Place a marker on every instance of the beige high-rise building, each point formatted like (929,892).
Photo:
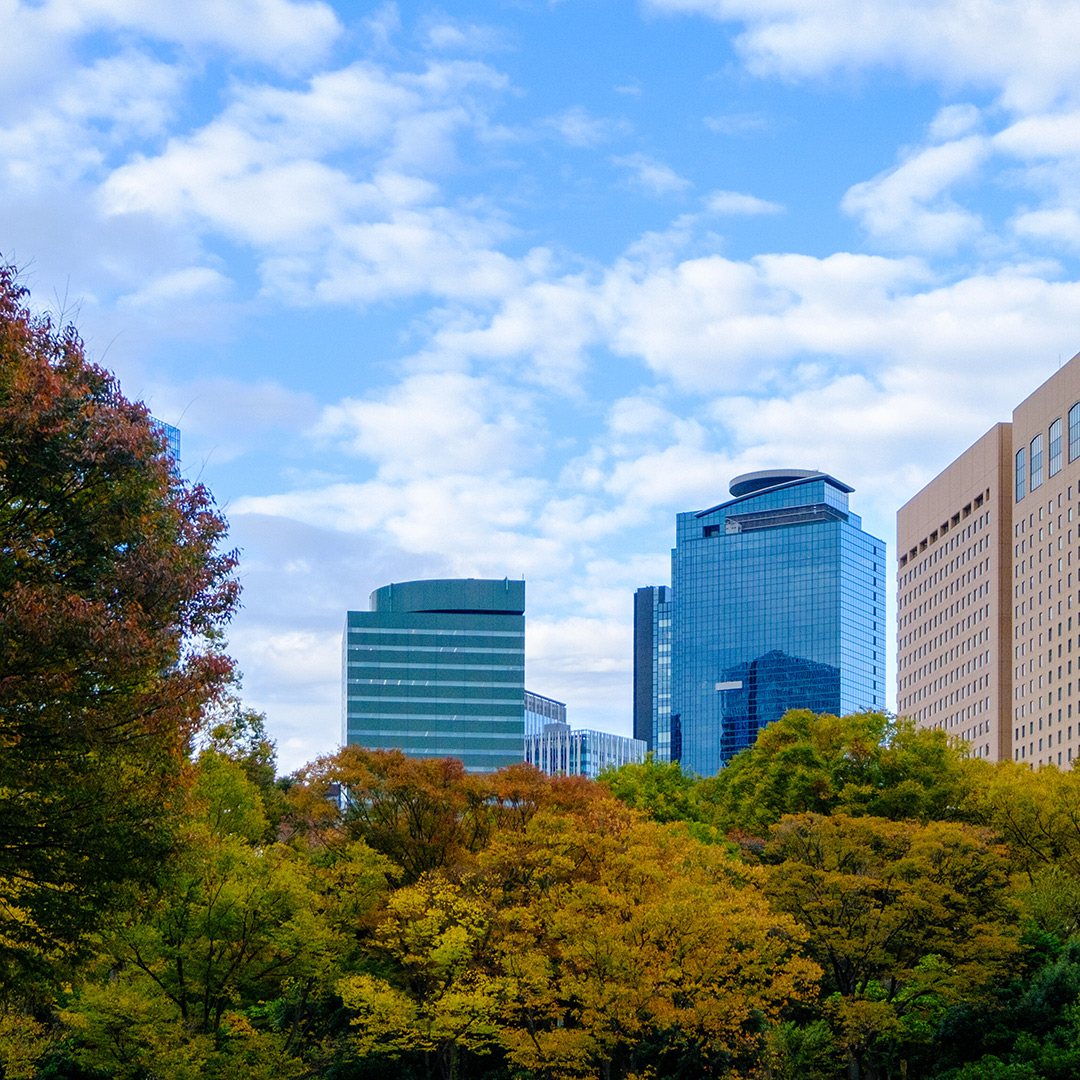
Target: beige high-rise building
(988,589)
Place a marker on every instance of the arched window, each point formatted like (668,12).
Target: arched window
(1036,462)
(1074,432)
(1021,473)
(1055,447)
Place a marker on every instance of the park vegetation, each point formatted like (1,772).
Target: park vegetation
(850,898)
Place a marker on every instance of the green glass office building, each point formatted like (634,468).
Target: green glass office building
(437,669)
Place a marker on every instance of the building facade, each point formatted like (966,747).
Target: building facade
(778,603)
(560,750)
(652,673)
(437,669)
(540,710)
(170,434)
(954,604)
(989,592)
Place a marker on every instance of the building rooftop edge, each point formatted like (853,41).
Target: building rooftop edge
(790,478)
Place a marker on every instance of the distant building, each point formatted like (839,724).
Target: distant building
(170,434)
(437,669)
(954,608)
(652,672)
(540,710)
(988,602)
(777,602)
(560,750)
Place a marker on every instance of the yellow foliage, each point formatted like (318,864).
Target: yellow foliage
(22,1043)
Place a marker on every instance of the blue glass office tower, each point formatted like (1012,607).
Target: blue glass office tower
(652,672)
(437,669)
(778,603)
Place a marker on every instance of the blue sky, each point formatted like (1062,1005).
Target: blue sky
(498,288)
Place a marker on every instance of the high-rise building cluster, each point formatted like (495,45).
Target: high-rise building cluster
(988,591)
(777,602)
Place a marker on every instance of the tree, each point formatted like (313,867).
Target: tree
(424,814)
(237,925)
(902,916)
(113,593)
(866,763)
(625,947)
(661,790)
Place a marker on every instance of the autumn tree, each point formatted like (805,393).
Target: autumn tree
(113,593)
(422,813)
(903,917)
(625,947)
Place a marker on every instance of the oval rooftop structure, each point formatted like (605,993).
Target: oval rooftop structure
(751,482)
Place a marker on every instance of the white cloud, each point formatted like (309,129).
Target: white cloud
(1024,50)
(908,206)
(451,36)
(651,175)
(734,202)
(738,123)
(177,286)
(36,38)
(1060,227)
(953,121)
(578,128)
(436,422)
(56,138)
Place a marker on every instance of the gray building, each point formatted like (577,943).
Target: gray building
(437,669)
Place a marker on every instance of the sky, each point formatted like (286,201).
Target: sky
(497,287)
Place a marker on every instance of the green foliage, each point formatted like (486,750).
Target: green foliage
(867,763)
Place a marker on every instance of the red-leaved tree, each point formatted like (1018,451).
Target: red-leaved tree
(113,594)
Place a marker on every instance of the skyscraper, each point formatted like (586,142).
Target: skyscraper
(652,671)
(954,612)
(989,590)
(778,602)
(437,669)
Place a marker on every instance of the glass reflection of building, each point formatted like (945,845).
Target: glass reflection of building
(778,603)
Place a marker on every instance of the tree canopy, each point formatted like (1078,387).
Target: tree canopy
(113,593)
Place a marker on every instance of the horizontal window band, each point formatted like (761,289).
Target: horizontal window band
(442,718)
(452,650)
(359,665)
(406,700)
(356,735)
(505,685)
(447,631)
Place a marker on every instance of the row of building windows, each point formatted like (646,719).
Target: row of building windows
(945,526)
(1029,459)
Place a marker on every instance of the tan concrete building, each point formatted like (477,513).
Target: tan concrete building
(989,589)
(954,613)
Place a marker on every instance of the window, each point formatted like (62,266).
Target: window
(1021,470)
(1074,432)
(1036,462)
(1055,447)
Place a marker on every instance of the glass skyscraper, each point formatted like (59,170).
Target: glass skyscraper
(437,669)
(652,672)
(778,603)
